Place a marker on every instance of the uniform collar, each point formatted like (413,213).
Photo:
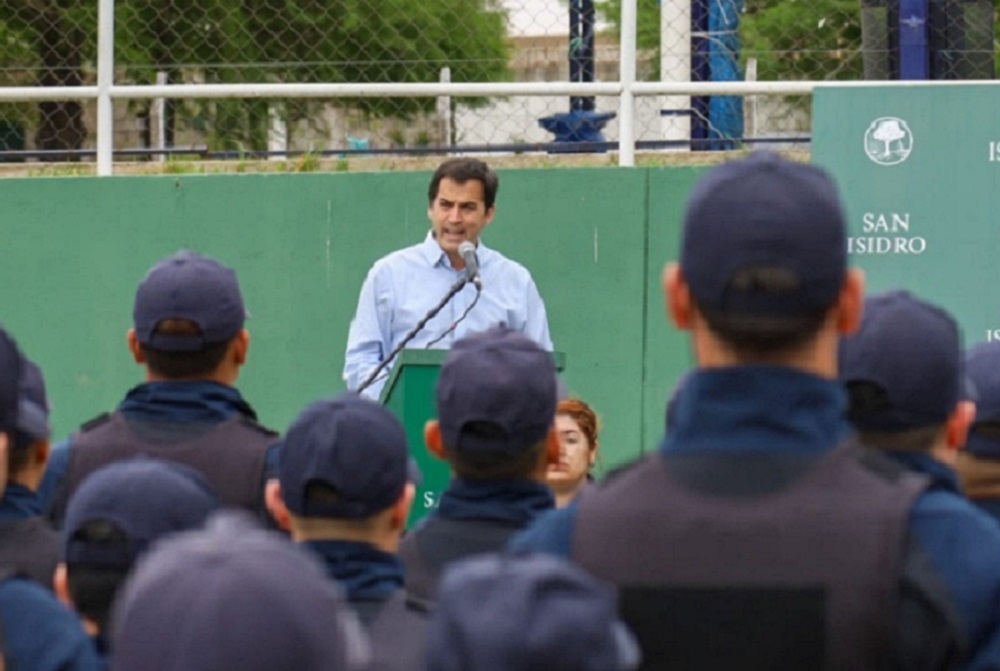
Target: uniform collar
(517,501)
(19,503)
(364,571)
(188,402)
(758,408)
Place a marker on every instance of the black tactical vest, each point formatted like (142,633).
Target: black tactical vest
(397,628)
(437,542)
(30,548)
(797,565)
(230,454)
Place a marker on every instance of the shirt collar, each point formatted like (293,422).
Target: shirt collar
(432,253)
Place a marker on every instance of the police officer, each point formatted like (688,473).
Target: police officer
(979,463)
(36,632)
(27,542)
(496,403)
(112,519)
(344,490)
(524,613)
(233,596)
(904,375)
(11,364)
(756,537)
(188,334)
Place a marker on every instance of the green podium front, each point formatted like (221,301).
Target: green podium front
(410,395)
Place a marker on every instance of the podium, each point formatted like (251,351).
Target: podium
(410,394)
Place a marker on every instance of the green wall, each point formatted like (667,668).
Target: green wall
(595,240)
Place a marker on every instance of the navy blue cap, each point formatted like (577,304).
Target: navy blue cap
(982,364)
(354,445)
(501,378)
(506,613)
(907,358)
(11,365)
(33,406)
(193,287)
(765,212)
(143,498)
(233,596)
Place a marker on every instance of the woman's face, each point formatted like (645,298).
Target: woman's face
(576,454)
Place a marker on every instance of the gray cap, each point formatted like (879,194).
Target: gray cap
(507,613)
(233,596)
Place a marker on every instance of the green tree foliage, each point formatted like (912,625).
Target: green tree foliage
(229,41)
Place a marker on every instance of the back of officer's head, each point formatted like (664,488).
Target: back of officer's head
(233,596)
(345,468)
(527,614)
(496,403)
(29,452)
(763,255)
(903,372)
(114,516)
(11,372)
(188,317)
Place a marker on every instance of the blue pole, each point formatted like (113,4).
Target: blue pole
(725,113)
(914,53)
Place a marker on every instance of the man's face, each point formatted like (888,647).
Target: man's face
(457,214)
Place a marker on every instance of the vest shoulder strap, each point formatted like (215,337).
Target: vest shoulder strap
(92,424)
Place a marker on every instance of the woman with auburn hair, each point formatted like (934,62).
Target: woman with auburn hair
(577,427)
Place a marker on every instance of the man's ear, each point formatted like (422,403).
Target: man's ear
(401,509)
(42,450)
(678,297)
(851,302)
(959,423)
(276,505)
(432,436)
(60,585)
(552,446)
(241,347)
(135,348)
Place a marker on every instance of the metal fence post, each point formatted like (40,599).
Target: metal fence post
(626,106)
(105,80)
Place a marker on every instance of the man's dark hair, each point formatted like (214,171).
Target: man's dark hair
(180,365)
(462,170)
(867,399)
(755,336)
(93,588)
(475,465)
(922,439)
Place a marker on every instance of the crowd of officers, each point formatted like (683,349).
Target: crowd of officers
(805,509)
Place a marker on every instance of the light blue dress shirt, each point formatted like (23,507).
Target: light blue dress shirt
(403,286)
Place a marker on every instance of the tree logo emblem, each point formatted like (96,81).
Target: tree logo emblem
(888,141)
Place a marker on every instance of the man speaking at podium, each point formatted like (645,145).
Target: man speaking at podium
(475,287)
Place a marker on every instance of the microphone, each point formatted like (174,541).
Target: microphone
(467,251)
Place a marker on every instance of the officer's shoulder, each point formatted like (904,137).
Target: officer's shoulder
(623,470)
(257,427)
(95,422)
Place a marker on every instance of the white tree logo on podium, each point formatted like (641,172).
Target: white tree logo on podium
(888,141)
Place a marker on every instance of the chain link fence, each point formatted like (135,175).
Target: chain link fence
(53,43)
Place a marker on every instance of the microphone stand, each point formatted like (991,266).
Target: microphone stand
(455,288)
